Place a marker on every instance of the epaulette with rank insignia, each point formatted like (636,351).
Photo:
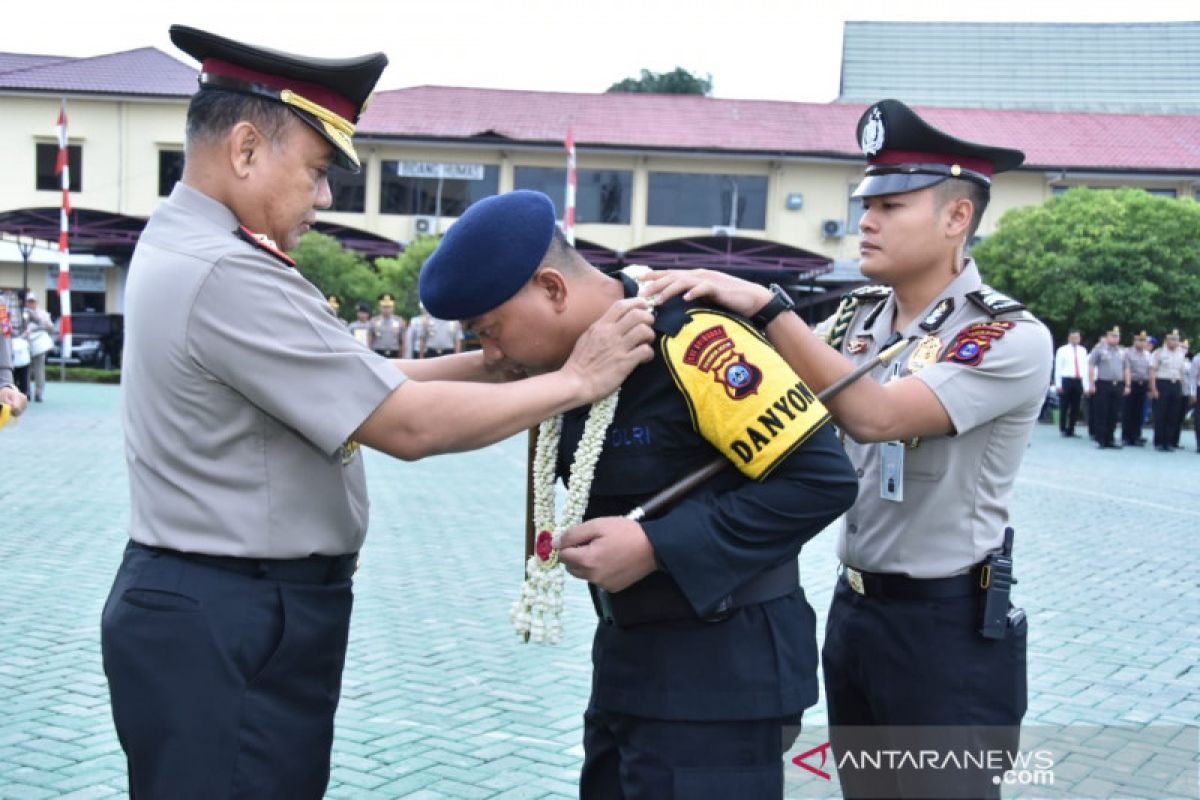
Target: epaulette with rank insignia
(264,243)
(993,302)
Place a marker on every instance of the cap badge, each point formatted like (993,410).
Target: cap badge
(872,134)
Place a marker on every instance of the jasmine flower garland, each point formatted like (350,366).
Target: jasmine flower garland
(538,612)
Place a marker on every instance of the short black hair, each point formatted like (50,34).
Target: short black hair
(953,188)
(561,253)
(212,113)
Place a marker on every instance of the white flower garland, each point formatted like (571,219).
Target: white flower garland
(537,614)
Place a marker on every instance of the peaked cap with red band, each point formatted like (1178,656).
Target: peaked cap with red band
(905,153)
(327,94)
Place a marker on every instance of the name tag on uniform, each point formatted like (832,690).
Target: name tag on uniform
(891,471)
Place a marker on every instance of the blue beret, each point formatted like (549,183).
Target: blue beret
(487,255)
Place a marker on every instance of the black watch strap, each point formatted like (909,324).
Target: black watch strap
(780,301)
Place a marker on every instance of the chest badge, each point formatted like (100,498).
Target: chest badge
(925,353)
(856,346)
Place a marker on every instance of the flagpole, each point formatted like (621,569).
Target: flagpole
(63,167)
(569,205)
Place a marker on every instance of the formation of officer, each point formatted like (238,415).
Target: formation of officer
(387,329)
(360,326)
(705,653)
(224,634)
(1106,366)
(920,631)
(430,337)
(1072,381)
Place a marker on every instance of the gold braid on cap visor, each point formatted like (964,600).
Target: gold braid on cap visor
(336,126)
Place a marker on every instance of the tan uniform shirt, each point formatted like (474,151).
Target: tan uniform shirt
(1138,362)
(1169,365)
(240,389)
(1109,362)
(6,376)
(956,488)
(387,332)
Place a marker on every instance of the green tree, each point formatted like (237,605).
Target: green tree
(400,274)
(678,81)
(1091,259)
(335,270)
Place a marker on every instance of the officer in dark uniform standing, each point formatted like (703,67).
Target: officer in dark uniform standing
(224,635)
(707,656)
(1137,383)
(1107,365)
(917,633)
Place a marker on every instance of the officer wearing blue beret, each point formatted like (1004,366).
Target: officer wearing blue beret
(917,632)
(705,654)
(224,635)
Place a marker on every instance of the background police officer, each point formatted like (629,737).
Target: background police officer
(1137,382)
(387,330)
(225,631)
(1107,372)
(1167,367)
(9,394)
(709,657)
(937,439)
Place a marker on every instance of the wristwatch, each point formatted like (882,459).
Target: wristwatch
(780,301)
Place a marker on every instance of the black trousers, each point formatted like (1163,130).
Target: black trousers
(631,758)
(1068,406)
(1131,418)
(915,674)
(1166,413)
(223,685)
(1106,405)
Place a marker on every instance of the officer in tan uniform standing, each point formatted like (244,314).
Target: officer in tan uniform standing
(225,632)
(10,395)
(1167,367)
(1137,382)
(387,330)
(936,438)
(1107,366)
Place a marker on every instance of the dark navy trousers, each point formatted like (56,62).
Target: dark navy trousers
(633,758)
(913,675)
(223,685)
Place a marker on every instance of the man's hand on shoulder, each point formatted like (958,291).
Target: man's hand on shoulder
(612,552)
(736,295)
(612,348)
(13,398)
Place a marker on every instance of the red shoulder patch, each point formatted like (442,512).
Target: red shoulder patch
(263,242)
(973,342)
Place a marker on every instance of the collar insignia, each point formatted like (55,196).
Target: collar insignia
(265,243)
(936,317)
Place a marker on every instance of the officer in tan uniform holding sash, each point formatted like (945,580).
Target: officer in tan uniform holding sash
(225,632)
(936,439)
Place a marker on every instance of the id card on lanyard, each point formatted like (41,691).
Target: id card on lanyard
(891,460)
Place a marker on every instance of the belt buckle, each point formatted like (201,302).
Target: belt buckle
(854,578)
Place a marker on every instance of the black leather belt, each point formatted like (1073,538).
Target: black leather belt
(901,587)
(313,569)
(657,598)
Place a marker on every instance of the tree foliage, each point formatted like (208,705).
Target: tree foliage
(678,81)
(336,270)
(400,274)
(1091,259)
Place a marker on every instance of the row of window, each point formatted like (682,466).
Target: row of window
(602,196)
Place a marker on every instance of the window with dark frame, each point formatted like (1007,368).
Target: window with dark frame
(702,201)
(601,195)
(170,170)
(349,189)
(401,194)
(47,159)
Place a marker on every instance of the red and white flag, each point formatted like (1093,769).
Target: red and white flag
(63,168)
(569,209)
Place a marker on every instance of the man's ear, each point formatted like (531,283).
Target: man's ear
(244,147)
(554,284)
(956,216)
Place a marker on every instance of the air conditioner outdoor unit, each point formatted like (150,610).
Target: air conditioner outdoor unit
(724,230)
(833,228)
(425,226)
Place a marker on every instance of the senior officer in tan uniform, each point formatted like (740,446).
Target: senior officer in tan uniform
(224,634)
(936,440)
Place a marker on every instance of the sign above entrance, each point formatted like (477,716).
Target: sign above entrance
(435,169)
